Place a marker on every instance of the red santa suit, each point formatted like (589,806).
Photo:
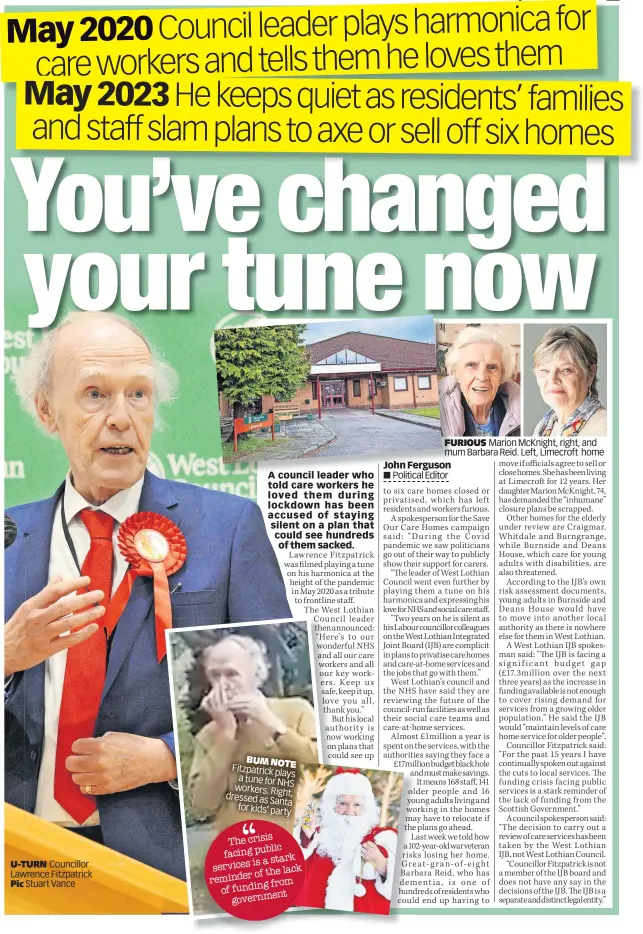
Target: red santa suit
(348,883)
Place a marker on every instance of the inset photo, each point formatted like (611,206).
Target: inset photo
(320,390)
(566,390)
(479,369)
(244,705)
(346,824)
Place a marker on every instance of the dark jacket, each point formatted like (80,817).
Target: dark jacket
(230,575)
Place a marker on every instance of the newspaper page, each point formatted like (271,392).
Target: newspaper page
(312,326)
(480,645)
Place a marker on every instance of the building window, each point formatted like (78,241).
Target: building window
(357,387)
(399,383)
(342,357)
(314,389)
(424,382)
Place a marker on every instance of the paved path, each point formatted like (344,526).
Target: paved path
(425,420)
(302,437)
(363,433)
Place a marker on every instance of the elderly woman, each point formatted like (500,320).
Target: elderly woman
(565,370)
(479,398)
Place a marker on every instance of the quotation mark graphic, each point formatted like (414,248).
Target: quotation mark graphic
(248,829)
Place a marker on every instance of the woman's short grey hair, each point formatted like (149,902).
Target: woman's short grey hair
(34,378)
(255,649)
(580,347)
(481,335)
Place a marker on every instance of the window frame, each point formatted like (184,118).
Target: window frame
(403,388)
(426,376)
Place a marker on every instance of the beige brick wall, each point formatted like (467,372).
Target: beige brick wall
(403,398)
(299,399)
(303,393)
(362,401)
(385,397)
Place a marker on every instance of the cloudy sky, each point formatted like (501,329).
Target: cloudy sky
(410,328)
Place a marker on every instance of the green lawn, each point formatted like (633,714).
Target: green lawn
(251,443)
(432,411)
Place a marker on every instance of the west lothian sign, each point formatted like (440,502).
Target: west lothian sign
(252,423)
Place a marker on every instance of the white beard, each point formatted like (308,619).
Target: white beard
(340,837)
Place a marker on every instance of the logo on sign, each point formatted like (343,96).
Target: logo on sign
(255,419)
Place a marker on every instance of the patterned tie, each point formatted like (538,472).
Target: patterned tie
(85,670)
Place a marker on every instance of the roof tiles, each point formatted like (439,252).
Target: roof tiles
(392,353)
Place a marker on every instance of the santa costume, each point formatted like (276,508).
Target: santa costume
(336,876)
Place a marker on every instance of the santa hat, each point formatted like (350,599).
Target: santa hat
(348,782)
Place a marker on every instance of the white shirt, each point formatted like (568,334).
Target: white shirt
(121,506)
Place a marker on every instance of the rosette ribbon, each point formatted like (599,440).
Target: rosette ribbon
(153,546)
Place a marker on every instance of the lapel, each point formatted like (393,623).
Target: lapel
(30,577)
(35,548)
(156,496)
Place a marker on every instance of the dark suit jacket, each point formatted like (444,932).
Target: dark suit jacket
(230,575)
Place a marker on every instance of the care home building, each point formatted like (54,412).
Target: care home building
(356,370)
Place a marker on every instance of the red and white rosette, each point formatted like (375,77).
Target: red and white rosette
(153,546)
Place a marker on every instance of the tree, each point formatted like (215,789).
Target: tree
(312,780)
(388,789)
(258,361)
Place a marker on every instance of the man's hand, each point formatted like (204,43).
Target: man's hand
(371,853)
(255,707)
(310,824)
(215,706)
(119,762)
(35,631)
